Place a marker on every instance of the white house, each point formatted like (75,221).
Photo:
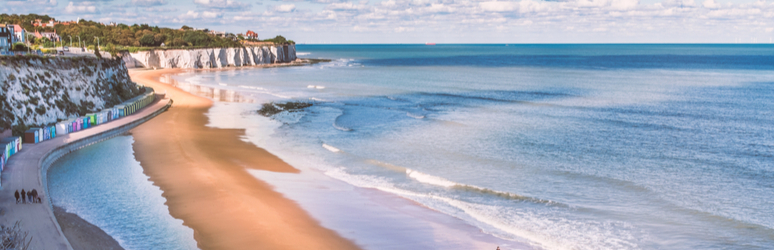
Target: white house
(21,34)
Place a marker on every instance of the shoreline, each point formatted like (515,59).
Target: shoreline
(203,174)
(453,231)
(83,235)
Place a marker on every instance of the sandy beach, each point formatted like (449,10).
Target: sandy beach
(203,174)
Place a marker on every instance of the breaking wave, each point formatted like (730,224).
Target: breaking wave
(345,129)
(331,148)
(482,213)
(409,114)
(442,182)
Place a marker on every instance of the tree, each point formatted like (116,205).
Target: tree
(277,40)
(19,47)
(197,38)
(185,27)
(111,48)
(147,40)
(178,42)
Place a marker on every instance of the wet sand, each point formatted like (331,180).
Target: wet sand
(203,174)
(83,235)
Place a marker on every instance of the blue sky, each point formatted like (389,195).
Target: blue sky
(440,21)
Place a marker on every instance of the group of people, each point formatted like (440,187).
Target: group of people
(28,196)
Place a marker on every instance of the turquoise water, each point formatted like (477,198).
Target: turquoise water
(561,146)
(106,186)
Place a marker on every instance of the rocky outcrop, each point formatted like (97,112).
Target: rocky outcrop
(37,91)
(210,58)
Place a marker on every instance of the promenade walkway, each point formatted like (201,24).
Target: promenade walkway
(27,170)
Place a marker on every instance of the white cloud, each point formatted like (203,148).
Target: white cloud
(596,20)
(710,4)
(190,15)
(679,3)
(29,2)
(403,29)
(81,8)
(285,8)
(496,6)
(147,3)
(345,6)
(210,14)
(225,5)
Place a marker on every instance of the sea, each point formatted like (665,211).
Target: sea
(546,146)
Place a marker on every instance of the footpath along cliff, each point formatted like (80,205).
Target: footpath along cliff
(211,57)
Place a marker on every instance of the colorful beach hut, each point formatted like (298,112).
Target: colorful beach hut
(53,131)
(121,110)
(61,128)
(12,145)
(46,133)
(31,135)
(86,123)
(92,119)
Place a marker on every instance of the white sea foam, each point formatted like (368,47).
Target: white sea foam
(345,129)
(482,213)
(409,114)
(440,181)
(317,99)
(429,179)
(303,53)
(251,87)
(319,87)
(331,148)
(310,86)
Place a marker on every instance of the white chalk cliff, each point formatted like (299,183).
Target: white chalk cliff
(211,58)
(38,91)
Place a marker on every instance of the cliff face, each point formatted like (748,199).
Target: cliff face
(38,91)
(210,58)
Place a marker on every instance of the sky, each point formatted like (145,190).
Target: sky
(439,21)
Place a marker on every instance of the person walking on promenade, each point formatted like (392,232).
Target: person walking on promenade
(24,196)
(29,196)
(17,196)
(34,196)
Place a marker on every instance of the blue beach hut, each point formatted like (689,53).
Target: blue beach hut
(10,145)
(85,124)
(46,134)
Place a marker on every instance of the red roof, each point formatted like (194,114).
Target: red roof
(251,34)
